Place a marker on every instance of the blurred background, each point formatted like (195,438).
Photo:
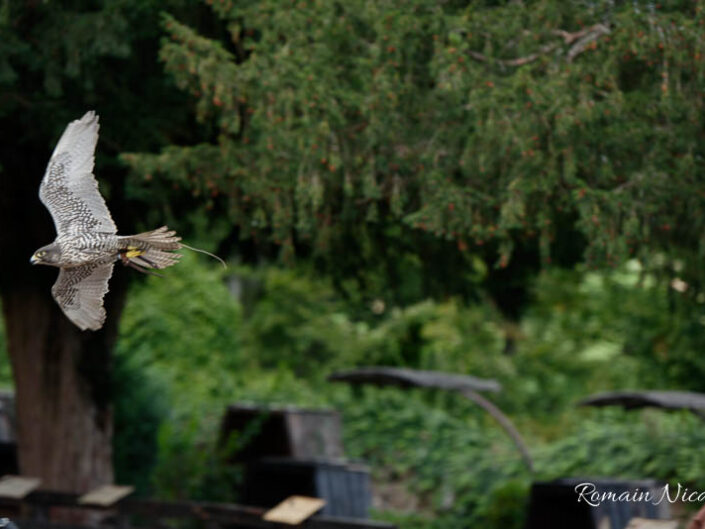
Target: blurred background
(507,189)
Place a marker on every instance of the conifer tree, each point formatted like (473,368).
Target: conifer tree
(489,123)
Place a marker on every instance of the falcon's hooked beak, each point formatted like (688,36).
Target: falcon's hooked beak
(34,259)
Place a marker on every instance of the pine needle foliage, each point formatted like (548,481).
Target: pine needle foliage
(478,122)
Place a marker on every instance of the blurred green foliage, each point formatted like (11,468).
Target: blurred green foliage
(409,150)
(481,123)
(201,338)
(196,340)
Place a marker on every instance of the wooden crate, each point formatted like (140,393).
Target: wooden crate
(344,486)
(282,432)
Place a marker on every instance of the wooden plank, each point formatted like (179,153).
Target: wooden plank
(17,487)
(294,510)
(106,495)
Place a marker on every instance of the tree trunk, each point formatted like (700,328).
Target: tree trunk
(62,387)
(62,375)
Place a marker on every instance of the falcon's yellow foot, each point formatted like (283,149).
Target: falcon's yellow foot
(133,251)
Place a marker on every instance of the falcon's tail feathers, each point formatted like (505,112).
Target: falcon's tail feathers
(162,239)
(151,249)
(155,249)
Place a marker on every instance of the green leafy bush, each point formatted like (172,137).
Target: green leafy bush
(446,461)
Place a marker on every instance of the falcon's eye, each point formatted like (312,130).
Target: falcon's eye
(41,254)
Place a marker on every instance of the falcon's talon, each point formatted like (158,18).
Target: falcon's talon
(146,271)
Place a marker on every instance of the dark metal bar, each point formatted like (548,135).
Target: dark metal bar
(406,377)
(219,513)
(504,422)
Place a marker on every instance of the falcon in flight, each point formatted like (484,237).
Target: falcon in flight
(87,244)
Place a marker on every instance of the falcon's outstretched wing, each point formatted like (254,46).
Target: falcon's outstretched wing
(79,292)
(69,190)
